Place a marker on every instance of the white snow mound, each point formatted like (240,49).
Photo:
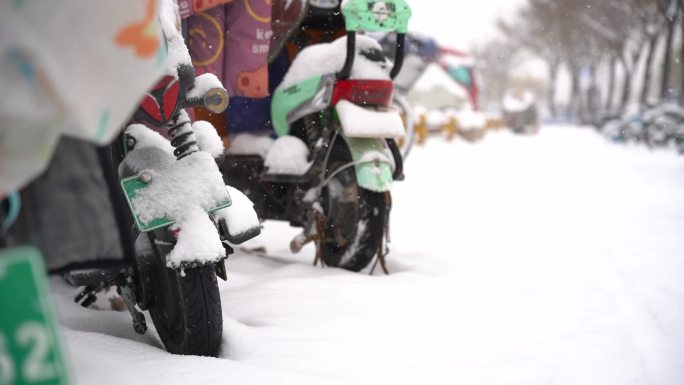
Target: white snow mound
(518,102)
(183,191)
(249,144)
(240,216)
(470,120)
(177,50)
(145,137)
(329,58)
(359,122)
(204,83)
(198,241)
(289,156)
(208,139)
(436,118)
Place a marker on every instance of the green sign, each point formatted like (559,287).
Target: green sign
(132,185)
(377,15)
(30,351)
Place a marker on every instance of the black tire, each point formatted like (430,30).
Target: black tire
(355,217)
(187,307)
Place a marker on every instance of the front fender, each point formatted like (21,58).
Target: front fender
(373,163)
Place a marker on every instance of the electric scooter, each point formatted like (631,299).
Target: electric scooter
(181,295)
(331,170)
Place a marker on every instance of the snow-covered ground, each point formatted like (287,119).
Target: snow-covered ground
(555,259)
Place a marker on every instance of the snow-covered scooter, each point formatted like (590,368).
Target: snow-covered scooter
(333,165)
(176,217)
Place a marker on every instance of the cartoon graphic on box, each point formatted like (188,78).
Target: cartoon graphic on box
(253,84)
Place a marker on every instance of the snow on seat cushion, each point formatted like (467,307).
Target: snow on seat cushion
(288,156)
(359,122)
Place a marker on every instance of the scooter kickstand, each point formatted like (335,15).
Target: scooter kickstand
(382,252)
(298,243)
(313,232)
(139,324)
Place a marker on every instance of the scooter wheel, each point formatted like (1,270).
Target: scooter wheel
(187,310)
(355,218)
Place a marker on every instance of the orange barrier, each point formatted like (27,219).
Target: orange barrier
(421,129)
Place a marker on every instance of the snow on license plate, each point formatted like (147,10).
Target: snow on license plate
(134,184)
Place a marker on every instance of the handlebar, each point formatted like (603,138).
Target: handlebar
(399,55)
(387,16)
(351,55)
(215,100)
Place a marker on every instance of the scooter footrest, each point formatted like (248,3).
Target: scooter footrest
(87,277)
(285,178)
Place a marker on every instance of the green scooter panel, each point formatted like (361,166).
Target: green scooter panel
(377,16)
(294,102)
(374,167)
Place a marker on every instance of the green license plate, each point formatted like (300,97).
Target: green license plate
(132,185)
(30,350)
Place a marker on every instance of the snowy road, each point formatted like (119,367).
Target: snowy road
(556,259)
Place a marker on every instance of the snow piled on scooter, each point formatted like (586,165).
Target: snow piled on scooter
(250,144)
(208,138)
(289,156)
(180,190)
(183,191)
(240,216)
(198,241)
(360,122)
(203,84)
(145,138)
(171,25)
(329,58)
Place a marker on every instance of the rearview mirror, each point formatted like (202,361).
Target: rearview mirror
(216,100)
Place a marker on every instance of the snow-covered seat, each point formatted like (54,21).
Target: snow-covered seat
(289,156)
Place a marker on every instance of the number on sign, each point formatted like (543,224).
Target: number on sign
(36,368)
(7,374)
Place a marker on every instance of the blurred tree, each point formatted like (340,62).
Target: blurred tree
(530,30)
(496,59)
(560,32)
(583,35)
(670,10)
(681,50)
(652,24)
(611,24)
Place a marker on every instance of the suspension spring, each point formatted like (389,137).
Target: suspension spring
(182,136)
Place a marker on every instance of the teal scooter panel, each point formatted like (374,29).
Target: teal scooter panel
(374,166)
(295,102)
(377,16)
